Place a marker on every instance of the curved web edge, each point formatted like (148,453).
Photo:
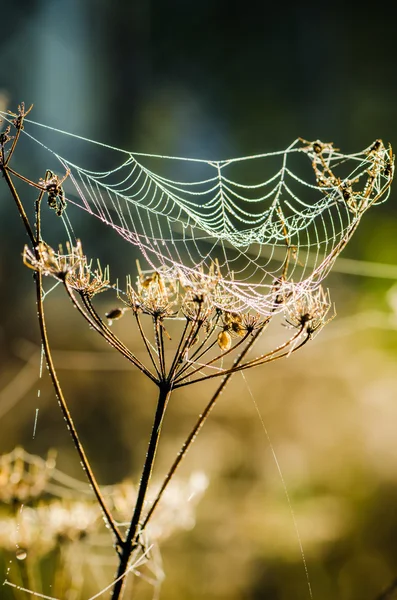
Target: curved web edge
(287,227)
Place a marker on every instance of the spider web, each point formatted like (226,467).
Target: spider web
(276,217)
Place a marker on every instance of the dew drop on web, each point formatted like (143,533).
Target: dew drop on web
(21,554)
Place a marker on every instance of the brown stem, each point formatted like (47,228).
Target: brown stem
(219,357)
(134,529)
(201,350)
(200,422)
(62,402)
(145,341)
(20,207)
(46,347)
(19,126)
(25,179)
(178,352)
(260,360)
(111,338)
(160,348)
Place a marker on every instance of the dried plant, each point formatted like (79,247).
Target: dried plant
(210,338)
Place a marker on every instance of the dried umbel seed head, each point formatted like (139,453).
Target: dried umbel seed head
(41,528)
(23,476)
(154,295)
(71,267)
(250,322)
(309,310)
(52,184)
(71,521)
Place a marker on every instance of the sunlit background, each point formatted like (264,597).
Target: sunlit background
(217,80)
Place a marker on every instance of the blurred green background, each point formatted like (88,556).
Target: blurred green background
(214,80)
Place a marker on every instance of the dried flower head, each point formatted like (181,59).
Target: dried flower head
(154,294)
(69,520)
(52,184)
(71,268)
(251,322)
(308,310)
(42,528)
(23,476)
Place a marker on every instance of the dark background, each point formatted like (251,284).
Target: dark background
(214,80)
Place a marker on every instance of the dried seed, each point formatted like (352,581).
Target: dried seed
(224,340)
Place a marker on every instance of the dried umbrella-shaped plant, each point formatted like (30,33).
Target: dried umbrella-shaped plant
(214,339)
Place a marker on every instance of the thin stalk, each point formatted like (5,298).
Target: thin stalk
(265,358)
(200,422)
(183,346)
(25,179)
(145,341)
(219,357)
(192,360)
(162,347)
(134,529)
(61,399)
(206,338)
(194,329)
(159,347)
(50,364)
(21,116)
(201,350)
(20,207)
(178,354)
(112,339)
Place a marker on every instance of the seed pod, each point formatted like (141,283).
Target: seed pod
(114,314)
(224,340)
(238,328)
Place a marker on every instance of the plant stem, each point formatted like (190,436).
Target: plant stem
(199,423)
(134,529)
(264,358)
(62,402)
(19,204)
(106,333)
(65,410)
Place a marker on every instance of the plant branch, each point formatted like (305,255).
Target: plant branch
(145,341)
(200,422)
(265,358)
(134,529)
(19,204)
(58,390)
(112,339)
(219,357)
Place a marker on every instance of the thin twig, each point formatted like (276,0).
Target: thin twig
(112,339)
(219,357)
(20,207)
(145,341)
(264,358)
(18,126)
